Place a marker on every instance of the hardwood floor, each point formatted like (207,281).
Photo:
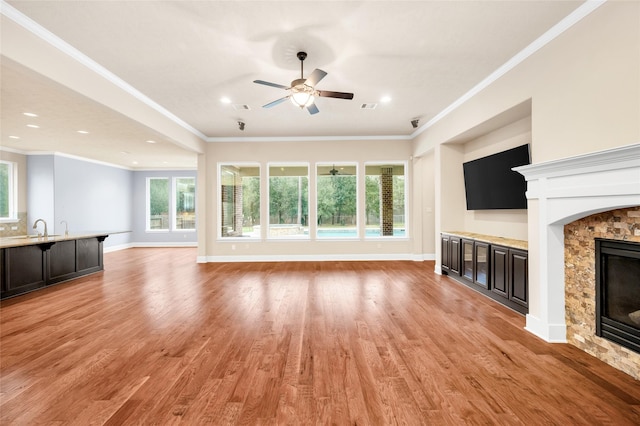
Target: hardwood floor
(159,339)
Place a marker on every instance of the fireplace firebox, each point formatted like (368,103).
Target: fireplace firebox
(618,292)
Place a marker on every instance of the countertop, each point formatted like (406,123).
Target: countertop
(507,242)
(20,241)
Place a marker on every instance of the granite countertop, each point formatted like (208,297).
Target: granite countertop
(30,240)
(507,242)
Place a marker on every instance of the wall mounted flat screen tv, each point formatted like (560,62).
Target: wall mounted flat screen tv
(490,184)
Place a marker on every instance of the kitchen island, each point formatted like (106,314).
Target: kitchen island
(31,262)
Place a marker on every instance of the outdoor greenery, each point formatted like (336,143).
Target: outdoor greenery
(4,190)
(288,200)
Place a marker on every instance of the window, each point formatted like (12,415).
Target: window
(8,191)
(385,189)
(337,201)
(185,203)
(240,200)
(158,204)
(288,201)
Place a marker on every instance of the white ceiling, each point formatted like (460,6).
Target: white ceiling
(187,55)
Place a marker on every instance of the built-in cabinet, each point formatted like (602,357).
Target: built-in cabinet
(31,267)
(496,270)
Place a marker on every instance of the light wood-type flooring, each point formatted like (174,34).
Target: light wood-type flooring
(159,339)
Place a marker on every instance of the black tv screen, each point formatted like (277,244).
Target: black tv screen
(490,184)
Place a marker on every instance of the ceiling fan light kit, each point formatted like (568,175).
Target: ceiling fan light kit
(303,91)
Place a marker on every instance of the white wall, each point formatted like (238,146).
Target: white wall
(584,92)
(213,249)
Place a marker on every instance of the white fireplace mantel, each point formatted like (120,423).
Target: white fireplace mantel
(560,192)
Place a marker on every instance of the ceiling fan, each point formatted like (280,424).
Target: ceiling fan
(303,91)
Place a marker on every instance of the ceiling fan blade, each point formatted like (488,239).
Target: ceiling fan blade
(266,83)
(313,109)
(339,95)
(315,77)
(276,102)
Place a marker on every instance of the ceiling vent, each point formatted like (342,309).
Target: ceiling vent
(239,107)
(368,106)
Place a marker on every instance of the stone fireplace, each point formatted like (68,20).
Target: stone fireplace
(595,195)
(580,283)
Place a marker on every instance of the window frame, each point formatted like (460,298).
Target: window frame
(174,204)
(304,236)
(219,214)
(12,192)
(148,204)
(405,165)
(338,164)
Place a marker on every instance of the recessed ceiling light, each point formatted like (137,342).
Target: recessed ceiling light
(14,137)
(33,126)
(30,114)
(385,99)
(225,100)
(134,162)
(124,152)
(150,141)
(84,132)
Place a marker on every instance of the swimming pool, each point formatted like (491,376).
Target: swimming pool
(353,232)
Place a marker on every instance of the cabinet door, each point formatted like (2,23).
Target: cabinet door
(467,259)
(444,241)
(481,264)
(518,277)
(500,270)
(25,269)
(454,255)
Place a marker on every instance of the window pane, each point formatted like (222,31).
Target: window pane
(185,203)
(240,200)
(288,201)
(158,203)
(385,200)
(337,201)
(5,190)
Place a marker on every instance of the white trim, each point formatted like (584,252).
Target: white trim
(574,17)
(55,41)
(307,138)
(308,258)
(163,244)
(567,190)
(117,248)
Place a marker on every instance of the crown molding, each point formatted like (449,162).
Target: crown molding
(571,19)
(55,41)
(546,38)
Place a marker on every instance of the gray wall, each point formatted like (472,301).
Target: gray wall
(140,235)
(93,197)
(96,197)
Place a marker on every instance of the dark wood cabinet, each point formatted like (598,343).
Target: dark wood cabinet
(509,274)
(497,271)
(30,267)
(445,245)
(450,246)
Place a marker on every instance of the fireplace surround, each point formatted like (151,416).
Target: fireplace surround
(559,193)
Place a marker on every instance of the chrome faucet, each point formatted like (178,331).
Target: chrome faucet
(66,227)
(35,226)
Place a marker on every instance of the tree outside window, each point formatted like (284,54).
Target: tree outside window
(288,201)
(158,203)
(337,201)
(240,200)
(385,190)
(6,190)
